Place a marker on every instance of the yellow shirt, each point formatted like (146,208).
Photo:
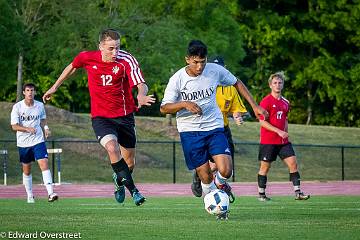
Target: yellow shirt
(229,101)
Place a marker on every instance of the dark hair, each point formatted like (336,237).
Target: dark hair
(109,33)
(28,85)
(197,48)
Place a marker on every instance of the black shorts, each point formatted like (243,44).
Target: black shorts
(122,127)
(269,152)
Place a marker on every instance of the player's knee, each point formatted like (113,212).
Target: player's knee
(43,164)
(26,169)
(131,165)
(293,167)
(264,169)
(112,147)
(27,172)
(226,173)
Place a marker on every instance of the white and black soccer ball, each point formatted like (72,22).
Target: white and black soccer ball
(216,202)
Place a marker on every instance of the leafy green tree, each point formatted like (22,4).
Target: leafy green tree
(10,38)
(34,15)
(306,39)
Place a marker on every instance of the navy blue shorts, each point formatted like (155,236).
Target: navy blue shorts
(30,154)
(199,146)
(269,152)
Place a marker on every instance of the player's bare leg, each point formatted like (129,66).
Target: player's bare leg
(224,165)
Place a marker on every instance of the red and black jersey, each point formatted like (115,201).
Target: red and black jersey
(278,110)
(110,83)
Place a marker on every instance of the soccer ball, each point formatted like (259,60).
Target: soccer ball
(216,202)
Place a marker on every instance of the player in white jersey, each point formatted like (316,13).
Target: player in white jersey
(191,94)
(28,119)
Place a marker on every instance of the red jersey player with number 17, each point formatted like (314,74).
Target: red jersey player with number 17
(274,138)
(112,73)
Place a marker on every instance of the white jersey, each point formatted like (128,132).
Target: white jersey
(202,91)
(28,117)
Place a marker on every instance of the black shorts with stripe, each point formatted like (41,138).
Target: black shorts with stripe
(269,152)
(122,127)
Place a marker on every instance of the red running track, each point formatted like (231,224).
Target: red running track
(149,189)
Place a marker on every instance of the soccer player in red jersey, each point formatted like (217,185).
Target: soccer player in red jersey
(112,73)
(274,139)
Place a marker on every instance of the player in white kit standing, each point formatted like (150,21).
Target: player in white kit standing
(28,119)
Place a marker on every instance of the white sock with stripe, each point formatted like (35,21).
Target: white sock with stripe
(206,188)
(219,180)
(47,178)
(27,181)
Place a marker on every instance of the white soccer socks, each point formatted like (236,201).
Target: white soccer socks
(219,179)
(206,188)
(47,178)
(27,181)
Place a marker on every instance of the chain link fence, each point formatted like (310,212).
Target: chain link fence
(163,162)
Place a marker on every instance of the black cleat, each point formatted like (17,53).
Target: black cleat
(263,198)
(196,185)
(301,196)
(223,216)
(53,197)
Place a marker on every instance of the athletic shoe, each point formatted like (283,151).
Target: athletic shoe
(138,198)
(196,185)
(31,199)
(227,188)
(263,198)
(53,197)
(301,196)
(119,192)
(223,216)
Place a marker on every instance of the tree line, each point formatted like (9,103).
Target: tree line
(316,43)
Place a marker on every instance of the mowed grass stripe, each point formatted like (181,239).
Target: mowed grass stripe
(323,217)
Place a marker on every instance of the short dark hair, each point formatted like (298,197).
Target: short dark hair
(28,85)
(197,48)
(109,33)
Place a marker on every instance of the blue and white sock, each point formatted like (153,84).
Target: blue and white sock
(206,188)
(219,180)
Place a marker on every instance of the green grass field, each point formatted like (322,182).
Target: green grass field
(321,217)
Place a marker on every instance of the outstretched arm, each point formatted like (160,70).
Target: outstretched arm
(142,98)
(242,89)
(67,72)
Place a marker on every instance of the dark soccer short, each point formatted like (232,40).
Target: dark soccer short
(122,127)
(269,152)
(30,154)
(199,146)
